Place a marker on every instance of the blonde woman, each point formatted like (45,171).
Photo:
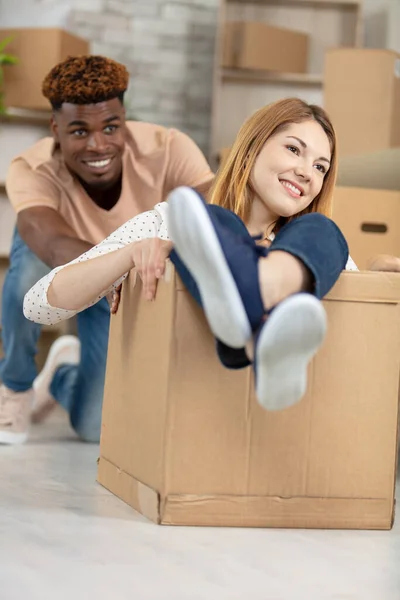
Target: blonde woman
(258,258)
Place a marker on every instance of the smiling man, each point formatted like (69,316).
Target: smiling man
(70,191)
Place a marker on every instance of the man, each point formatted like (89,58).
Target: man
(70,192)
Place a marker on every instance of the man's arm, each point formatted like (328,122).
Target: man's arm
(49,236)
(187,165)
(204,189)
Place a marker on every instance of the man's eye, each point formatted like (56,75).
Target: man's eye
(110,128)
(79,132)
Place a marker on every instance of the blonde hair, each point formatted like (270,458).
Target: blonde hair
(231,188)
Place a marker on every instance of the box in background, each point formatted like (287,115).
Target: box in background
(184,441)
(222,155)
(369,220)
(38,51)
(376,170)
(362,97)
(254,45)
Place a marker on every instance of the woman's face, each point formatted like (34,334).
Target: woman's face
(290,169)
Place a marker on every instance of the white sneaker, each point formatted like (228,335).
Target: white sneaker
(285,345)
(15,410)
(65,350)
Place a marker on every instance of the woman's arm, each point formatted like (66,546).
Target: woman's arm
(84,281)
(384,262)
(78,284)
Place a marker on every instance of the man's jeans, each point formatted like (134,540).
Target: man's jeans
(79,389)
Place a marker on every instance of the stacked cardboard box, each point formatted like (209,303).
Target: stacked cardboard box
(37,50)
(256,45)
(362,97)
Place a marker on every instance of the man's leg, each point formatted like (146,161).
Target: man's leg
(19,336)
(79,388)
(19,340)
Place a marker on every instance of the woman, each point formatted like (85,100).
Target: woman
(258,258)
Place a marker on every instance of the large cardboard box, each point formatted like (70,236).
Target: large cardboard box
(362,97)
(184,441)
(369,220)
(38,51)
(256,45)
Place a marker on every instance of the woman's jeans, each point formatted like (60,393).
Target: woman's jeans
(313,238)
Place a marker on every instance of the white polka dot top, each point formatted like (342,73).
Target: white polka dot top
(152,223)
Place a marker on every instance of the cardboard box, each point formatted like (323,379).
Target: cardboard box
(376,170)
(222,155)
(362,97)
(184,441)
(255,45)
(38,51)
(369,220)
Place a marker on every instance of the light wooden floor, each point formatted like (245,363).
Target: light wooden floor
(63,537)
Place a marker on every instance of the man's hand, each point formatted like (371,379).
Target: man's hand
(149,258)
(114,299)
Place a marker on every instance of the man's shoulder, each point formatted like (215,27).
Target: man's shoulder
(40,154)
(146,139)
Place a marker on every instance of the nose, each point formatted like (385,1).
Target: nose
(97,141)
(304,170)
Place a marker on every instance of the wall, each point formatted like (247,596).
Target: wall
(168,46)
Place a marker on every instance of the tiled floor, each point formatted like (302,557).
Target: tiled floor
(63,537)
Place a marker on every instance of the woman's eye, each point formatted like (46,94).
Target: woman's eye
(293,149)
(321,168)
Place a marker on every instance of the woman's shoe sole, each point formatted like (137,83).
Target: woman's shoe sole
(198,246)
(288,341)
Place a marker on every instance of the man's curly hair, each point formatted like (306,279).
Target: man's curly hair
(85,80)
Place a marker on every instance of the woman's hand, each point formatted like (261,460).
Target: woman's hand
(384,262)
(148,257)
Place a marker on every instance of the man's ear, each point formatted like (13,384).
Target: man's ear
(54,128)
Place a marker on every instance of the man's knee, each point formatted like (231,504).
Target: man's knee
(87,431)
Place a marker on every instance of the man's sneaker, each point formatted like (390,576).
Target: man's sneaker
(284,346)
(65,350)
(15,410)
(223,263)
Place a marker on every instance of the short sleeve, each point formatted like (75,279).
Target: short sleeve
(351,265)
(187,165)
(27,188)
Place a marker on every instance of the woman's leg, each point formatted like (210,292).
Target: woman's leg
(308,254)
(231,358)
(238,281)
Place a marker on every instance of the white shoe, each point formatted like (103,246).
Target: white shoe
(65,350)
(284,347)
(15,410)
(197,243)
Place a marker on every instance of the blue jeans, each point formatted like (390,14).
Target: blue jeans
(313,238)
(78,388)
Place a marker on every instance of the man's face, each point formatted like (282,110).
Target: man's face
(92,140)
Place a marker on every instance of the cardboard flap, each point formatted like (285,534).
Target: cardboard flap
(367,286)
(353,286)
